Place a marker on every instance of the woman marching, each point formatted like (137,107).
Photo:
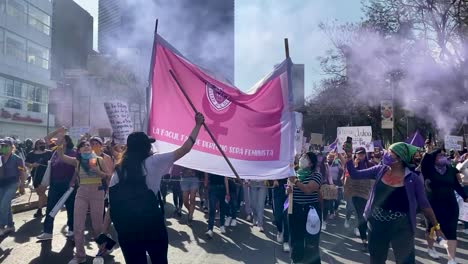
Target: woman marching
(442,183)
(37,160)
(136,212)
(393,201)
(304,222)
(89,174)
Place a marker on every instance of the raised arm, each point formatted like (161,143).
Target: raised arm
(67,159)
(182,151)
(459,188)
(370,173)
(55,133)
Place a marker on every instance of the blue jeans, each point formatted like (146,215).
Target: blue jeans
(246,193)
(216,193)
(7,193)
(257,201)
(232,207)
(281,216)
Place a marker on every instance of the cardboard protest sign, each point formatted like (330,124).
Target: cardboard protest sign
(119,117)
(316,139)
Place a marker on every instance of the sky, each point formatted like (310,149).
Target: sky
(262,25)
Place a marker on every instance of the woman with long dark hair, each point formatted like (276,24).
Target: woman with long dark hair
(136,212)
(305,235)
(442,183)
(37,160)
(392,205)
(360,190)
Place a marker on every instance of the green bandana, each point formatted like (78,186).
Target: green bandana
(404,151)
(303,173)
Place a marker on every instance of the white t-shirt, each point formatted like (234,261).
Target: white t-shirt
(156,166)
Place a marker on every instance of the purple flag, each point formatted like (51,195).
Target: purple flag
(333,146)
(416,139)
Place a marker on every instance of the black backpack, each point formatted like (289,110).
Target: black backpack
(135,210)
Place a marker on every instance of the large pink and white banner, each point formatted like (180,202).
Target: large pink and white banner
(255,129)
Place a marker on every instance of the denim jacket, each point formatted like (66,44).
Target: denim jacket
(413,183)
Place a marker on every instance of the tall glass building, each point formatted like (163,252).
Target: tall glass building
(25,76)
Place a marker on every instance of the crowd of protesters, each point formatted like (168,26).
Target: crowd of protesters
(127,185)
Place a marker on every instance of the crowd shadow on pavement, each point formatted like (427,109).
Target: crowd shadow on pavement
(48,256)
(4,253)
(237,244)
(28,231)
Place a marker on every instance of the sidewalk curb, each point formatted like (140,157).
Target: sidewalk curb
(23,207)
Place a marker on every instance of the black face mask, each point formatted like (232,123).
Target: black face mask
(41,148)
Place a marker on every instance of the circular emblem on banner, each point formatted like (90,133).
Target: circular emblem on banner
(217,97)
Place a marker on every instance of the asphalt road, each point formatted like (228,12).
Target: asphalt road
(241,244)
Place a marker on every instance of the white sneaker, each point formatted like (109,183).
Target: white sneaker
(209,233)
(44,236)
(223,230)
(286,247)
(69,234)
(432,252)
(356,232)
(346,223)
(324,225)
(98,260)
(452,261)
(260,228)
(279,237)
(76,260)
(233,222)
(249,218)
(227,222)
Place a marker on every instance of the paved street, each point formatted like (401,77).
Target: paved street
(241,244)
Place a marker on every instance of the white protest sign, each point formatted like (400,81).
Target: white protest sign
(463,212)
(298,141)
(362,137)
(60,203)
(76,132)
(119,117)
(453,142)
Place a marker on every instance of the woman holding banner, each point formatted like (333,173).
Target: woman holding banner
(304,222)
(392,205)
(136,212)
(442,183)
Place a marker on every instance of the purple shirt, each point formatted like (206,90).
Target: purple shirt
(413,184)
(60,171)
